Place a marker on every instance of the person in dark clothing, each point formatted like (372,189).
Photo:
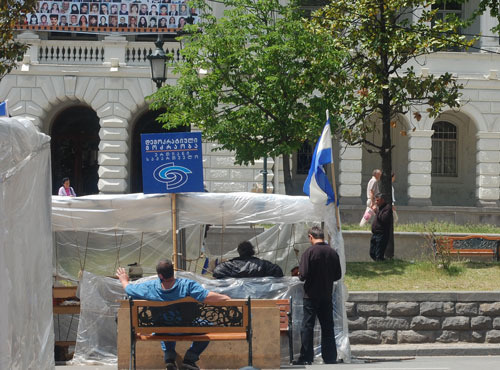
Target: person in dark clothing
(381,228)
(246,265)
(319,267)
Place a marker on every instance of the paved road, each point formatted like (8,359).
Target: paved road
(401,363)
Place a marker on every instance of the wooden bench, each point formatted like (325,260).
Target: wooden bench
(286,322)
(470,245)
(64,302)
(189,320)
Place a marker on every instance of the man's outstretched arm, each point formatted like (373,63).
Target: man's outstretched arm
(213,297)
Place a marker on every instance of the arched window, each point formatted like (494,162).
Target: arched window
(444,149)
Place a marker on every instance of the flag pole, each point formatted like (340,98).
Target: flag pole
(334,184)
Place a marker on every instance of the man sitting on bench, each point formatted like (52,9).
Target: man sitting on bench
(246,265)
(168,288)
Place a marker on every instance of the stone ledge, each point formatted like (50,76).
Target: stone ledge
(359,296)
(434,349)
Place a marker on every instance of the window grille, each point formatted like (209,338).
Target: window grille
(446,8)
(444,150)
(304,157)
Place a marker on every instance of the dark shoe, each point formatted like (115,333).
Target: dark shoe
(189,365)
(170,365)
(301,362)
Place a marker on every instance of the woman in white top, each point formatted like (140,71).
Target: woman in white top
(65,190)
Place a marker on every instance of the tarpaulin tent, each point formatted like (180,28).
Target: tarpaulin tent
(119,229)
(27,334)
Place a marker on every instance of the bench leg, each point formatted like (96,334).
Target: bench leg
(132,364)
(290,330)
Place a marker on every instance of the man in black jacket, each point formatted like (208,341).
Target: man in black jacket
(381,228)
(246,265)
(319,268)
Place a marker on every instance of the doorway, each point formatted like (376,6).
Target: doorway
(74,150)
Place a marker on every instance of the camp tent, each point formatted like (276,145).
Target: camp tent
(120,229)
(26,337)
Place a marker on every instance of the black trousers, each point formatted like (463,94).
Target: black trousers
(323,309)
(378,244)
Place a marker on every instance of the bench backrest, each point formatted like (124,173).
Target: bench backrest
(469,242)
(189,316)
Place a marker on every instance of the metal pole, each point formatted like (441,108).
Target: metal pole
(264,176)
(174,230)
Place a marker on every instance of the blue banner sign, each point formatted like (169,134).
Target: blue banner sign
(172,163)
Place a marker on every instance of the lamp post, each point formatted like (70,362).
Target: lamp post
(158,60)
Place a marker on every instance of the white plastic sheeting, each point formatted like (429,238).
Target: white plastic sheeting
(27,333)
(118,215)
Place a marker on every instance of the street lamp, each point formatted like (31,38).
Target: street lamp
(158,60)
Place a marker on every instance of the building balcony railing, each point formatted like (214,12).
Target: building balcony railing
(116,51)
(61,52)
(113,49)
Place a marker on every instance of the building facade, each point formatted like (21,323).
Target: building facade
(90,96)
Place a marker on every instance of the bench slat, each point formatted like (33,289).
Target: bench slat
(193,330)
(199,337)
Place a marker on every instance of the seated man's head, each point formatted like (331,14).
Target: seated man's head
(165,269)
(245,249)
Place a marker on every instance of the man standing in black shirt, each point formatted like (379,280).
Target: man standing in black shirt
(381,228)
(319,268)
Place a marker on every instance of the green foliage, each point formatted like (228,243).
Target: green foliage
(383,38)
(12,13)
(259,94)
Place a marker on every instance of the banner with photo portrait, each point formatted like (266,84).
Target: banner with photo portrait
(111,16)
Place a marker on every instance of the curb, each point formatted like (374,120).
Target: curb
(428,349)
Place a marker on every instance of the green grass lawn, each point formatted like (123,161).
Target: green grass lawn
(397,275)
(434,226)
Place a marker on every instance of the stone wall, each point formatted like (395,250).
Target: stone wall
(417,317)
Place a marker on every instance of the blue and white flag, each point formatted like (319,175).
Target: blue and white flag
(317,185)
(3,109)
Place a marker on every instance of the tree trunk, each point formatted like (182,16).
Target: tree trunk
(287,174)
(386,154)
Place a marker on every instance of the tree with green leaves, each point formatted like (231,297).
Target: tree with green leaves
(12,12)
(257,95)
(382,39)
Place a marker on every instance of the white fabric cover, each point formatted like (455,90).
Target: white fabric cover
(83,223)
(26,322)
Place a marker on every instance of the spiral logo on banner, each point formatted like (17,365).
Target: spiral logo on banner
(173,176)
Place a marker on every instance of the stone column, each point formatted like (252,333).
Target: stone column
(419,167)
(114,50)
(489,39)
(33,39)
(112,158)
(488,169)
(350,174)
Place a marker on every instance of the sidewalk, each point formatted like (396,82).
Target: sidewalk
(369,353)
(427,349)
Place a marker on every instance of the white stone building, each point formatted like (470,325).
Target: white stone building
(89,96)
